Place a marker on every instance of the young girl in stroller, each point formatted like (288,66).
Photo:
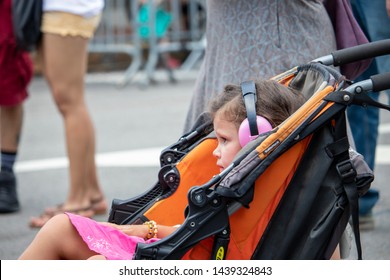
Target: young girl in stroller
(69,236)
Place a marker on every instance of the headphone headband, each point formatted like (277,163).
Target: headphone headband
(248,89)
(253,125)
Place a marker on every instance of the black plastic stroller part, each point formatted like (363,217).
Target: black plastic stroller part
(123,211)
(172,154)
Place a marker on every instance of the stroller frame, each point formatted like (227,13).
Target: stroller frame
(210,205)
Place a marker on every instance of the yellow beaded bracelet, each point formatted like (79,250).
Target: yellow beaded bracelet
(152,229)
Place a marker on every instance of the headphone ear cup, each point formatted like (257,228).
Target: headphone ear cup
(244,132)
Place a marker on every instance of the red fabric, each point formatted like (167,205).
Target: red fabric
(16,68)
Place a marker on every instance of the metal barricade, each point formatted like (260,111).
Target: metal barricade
(186,32)
(115,34)
(123,29)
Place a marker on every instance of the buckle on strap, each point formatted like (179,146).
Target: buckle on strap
(346,170)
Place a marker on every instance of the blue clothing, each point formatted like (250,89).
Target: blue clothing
(375,22)
(364,122)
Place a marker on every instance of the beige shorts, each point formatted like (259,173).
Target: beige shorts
(66,24)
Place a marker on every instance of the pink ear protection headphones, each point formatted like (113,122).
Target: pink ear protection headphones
(253,125)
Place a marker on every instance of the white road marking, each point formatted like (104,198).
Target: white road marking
(384,128)
(131,158)
(150,157)
(382,155)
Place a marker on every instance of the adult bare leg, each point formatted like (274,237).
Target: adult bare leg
(64,64)
(11,120)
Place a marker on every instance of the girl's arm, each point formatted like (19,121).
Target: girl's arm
(142,230)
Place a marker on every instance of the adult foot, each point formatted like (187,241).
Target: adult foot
(99,205)
(38,222)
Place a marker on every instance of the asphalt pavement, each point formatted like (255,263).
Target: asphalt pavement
(133,123)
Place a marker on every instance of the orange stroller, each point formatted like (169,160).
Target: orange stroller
(289,194)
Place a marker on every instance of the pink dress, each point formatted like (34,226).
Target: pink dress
(105,240)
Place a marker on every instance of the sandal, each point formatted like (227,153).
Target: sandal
(54,209)
(38,222)
(99,205)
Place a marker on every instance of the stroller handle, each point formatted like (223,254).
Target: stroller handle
(380,82)
(375,83)
(356,53)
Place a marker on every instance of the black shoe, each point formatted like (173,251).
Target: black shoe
(8,196)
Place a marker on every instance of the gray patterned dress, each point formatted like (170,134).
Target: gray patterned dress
(257,38)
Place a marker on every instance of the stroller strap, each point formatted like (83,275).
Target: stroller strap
(347,173)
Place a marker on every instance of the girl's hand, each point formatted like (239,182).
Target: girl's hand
(133,230)
(142,230)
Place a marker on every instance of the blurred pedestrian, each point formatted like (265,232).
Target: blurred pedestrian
(16,71)
(67,27)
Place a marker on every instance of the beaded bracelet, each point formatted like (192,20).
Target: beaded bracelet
(152,229)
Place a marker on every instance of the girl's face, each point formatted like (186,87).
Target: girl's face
(228,142)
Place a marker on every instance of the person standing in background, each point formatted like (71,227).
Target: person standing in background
(374,18)
(67,27)
(16,71)
(258,38)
